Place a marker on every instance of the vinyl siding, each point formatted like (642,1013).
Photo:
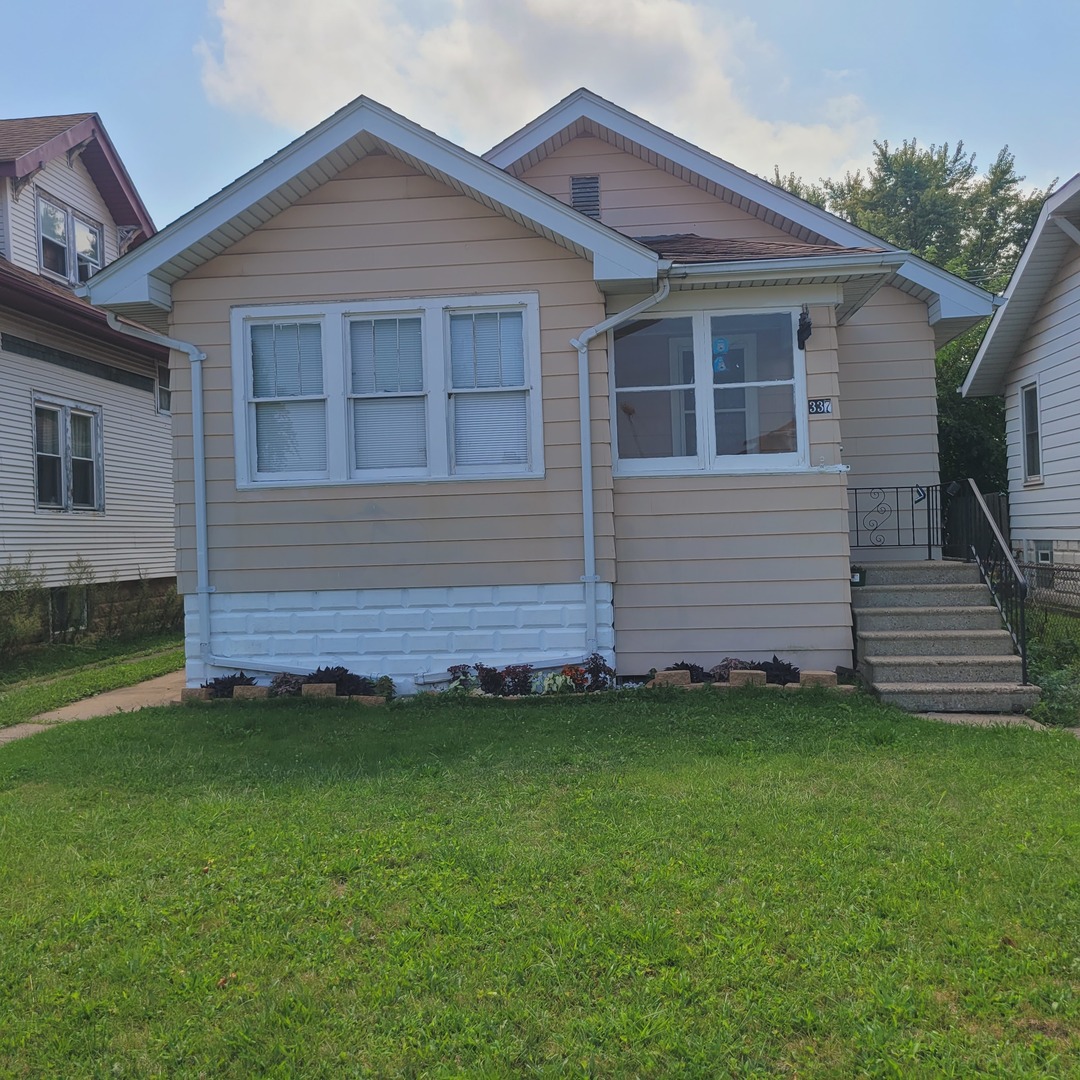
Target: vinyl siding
(134,534)
(887,384)
(1050,357)
(711,566)
(5,232)
(641,200)
(380,229)
(70,185)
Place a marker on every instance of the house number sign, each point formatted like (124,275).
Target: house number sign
(819,406)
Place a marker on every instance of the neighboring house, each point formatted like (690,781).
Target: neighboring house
(85,442)
(380,458)
(1031,354)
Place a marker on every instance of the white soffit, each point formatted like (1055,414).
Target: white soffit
(1034,274)
(139,283)
(955,304)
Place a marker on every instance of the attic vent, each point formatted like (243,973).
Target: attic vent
(585,195)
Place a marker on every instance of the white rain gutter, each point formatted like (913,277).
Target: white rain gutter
(203,588)
(588,516)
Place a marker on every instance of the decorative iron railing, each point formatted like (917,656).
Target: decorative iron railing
(973,533)
(883,517)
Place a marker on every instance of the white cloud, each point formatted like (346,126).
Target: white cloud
(476,70)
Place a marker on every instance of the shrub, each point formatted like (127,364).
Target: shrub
(1059,702)
(23,604)
(346,682)
(222,686)
(601,675)
(385,687)
(490,679)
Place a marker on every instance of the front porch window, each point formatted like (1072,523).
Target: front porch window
(708,391)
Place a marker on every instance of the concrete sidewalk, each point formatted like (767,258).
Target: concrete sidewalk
(163,690)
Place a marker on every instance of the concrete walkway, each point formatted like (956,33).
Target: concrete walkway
(163,690)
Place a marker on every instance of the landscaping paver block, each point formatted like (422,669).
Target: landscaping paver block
(747,678)
(817,678)
(327,689)
(671,678)
(250,693)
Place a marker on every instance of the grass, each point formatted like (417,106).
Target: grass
(653,884)
(54,675)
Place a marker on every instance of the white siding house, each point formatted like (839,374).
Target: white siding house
(85,431)
(1031,354)
(596,391)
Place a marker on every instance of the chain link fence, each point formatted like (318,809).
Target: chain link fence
(1053,602)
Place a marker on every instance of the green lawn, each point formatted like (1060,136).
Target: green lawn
(652,884)
(49,676)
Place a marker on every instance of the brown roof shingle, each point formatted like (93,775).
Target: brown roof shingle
(691,248)
(19,137)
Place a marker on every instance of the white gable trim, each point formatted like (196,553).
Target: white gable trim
(955,298)
(1033,275)
(146,274)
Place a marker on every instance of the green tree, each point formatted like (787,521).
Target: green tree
(933,202)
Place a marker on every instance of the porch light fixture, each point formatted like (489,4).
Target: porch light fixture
(806,327)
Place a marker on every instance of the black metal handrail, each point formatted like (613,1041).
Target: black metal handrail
(895,517)
(975,536)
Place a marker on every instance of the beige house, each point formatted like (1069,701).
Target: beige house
(1031,354)
(85,442)
(597,390)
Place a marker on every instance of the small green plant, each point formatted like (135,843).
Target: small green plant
(24,604)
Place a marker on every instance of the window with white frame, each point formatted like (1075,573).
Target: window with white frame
(426,389)
(1029,409)
(70,245)
(713,391)
(164,390)
(68,456)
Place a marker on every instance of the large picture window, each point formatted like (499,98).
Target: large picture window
(708,391)
(67,456)
(389,391)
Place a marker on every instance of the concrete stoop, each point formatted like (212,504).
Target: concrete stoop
(928,638)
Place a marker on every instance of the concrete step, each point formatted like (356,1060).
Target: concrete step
(933,642)
(951,697)
(944,617)
(879,596)
(980,670)
(920,573)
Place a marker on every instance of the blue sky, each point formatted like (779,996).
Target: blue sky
(195,93)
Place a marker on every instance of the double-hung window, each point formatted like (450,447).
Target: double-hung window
(67,456)
(386,391)
(708,391)
(71,246)
(1029,409)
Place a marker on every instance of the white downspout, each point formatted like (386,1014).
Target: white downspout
(588,517)
(202,561)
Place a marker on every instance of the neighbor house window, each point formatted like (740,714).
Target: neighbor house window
(164,390)
(1029,408)
(424,389)
(68,456)
(71,245)
(708,391)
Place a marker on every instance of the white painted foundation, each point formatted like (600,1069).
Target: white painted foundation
(404,633)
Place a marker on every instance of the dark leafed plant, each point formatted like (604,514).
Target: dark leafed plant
(517,679)
(346,682)
(222,686)
(601,674)
(490,679)
(779,671)
(697,672)
(722,671)
(461,677)
(286,685)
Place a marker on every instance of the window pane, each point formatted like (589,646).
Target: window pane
(290,436)
(390,433)
(82,435)
(82,484)
(53,222)
(752,348)
(655,352)
(656,424)
(755,420)
(1032,455)
(487,349)
(88,242)
(286,359)
(47,431)
(48,481)
(387,355)
(491,429)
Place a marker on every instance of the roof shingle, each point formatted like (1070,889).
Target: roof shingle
(691,248)
(19,137)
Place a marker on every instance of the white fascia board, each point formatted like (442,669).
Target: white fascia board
(957,299)
(819,266)
(125,280)
(986,376)
(583,104)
